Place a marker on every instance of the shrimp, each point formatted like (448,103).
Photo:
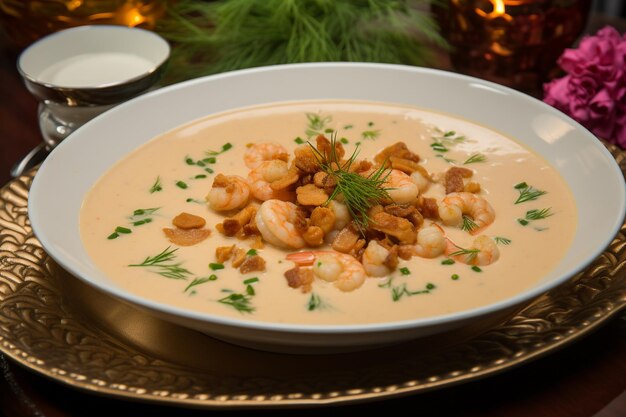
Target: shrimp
(430,242)
(401,188)
(455,205)
(483,251)
(276,221)
(374,260)
(228,193)
(259,152)
(343,270)
(261,177)
(342,215)
(420,180)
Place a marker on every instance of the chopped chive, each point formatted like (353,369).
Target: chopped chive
(370,134)
(211,160)
(216,266)
(139,222)
(141,212)
(476,269)
(454,277)
(370,124)
(250,290)
(212,277)
(251,280)
(120,229)
(520,186)
(190,161)
(227,146)
(448,262)
(344,141)
(209,170)
(430,286)
(449,133)
(405,271)
(113,235)
(299,140)
(348,127)
(202,163)
(329,130)
(156,186)
(523,222)
(182,184)
(199,176)
(251,252)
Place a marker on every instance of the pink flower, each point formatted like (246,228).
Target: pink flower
(594,90)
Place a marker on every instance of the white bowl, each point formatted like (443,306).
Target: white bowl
(77,163)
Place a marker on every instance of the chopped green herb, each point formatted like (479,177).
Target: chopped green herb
(439,147)
(198,281)
(251,280)
(502,240)
(239,302)
(216,266)
(398,292)
(475,159)
(449,133)
(448,262)
(476,269)
(113,235)
(454,277)
(182,184)
(120,229)
(315,302)
(199,176)
(156,186)
(299,140)
(209,170)
(193,200)
(370,124)
(140,222)
(316,124)
(211,160)
(202,163)
(370,134)
(527,193)
(348,127)
(251,252)
(430,286)
(523,222)
(328,130)
(250,290)
(344,141)
(189,161)
(143,212)
(225,147)
(405,271)
(162,265)
(212,277)
(448,160)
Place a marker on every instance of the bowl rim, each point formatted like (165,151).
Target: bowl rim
(330,329)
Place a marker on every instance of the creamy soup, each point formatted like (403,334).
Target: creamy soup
(528,230)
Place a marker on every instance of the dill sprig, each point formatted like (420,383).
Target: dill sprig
(316,124)
(156,187)
(240,302)
(469,225)
(162,264)
(316,303)
(469,253)
(527,193)
(477,157)
(535,214)
(224,35)
(359,193)
(502,240)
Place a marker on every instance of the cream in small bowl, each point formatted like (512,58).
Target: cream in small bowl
(579,159)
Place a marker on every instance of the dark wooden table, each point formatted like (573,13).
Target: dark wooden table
(586,378)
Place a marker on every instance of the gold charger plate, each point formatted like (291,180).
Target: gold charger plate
(56,325)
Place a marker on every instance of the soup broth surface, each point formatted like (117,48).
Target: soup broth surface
(174,172)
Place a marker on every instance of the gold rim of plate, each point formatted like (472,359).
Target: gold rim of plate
(58,326)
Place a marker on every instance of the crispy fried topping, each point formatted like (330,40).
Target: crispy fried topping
(186,237)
